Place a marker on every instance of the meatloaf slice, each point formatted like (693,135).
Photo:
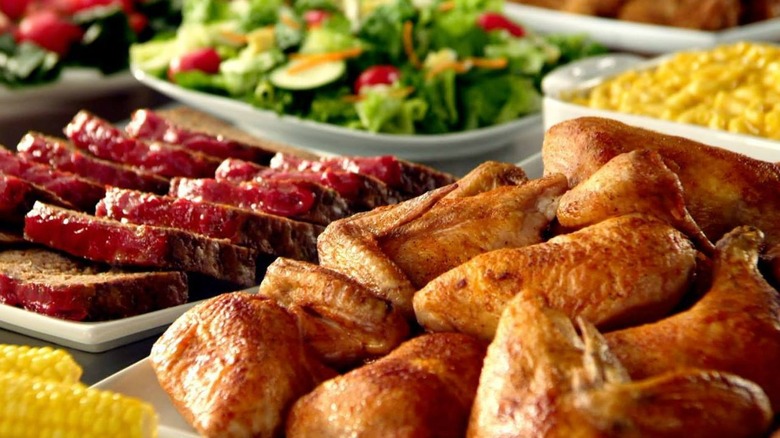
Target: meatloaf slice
(300,200)
(265,233)
(106,141)
(409,179)
(62,155)
(148,125)
(17,197)
(116,243)
(78,191)
(362,192)
(54,284)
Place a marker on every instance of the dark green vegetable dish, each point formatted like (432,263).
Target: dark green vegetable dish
(390,66)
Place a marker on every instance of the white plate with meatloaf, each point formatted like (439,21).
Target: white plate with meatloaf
(638,37)
(130,230)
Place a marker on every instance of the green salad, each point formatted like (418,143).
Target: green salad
(389,66)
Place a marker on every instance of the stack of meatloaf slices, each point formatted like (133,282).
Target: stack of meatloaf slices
(118,222)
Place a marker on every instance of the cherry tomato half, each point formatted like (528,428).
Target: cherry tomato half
(83,5)
(315,17)
(490,21)
(14,9)
(49,30)
(206,60)
(376,75)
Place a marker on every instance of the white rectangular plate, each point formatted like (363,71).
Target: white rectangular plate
(138,380)
(637,37)
(93,337)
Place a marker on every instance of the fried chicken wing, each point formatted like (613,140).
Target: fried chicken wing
(723,189)
(635,182)
(424,388)
(621,270)
(734,327)
(543,379)
(396,250)
(234,365)
(341,319)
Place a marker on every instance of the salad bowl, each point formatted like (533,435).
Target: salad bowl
(328,138)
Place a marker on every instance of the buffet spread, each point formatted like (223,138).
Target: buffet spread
(627,288)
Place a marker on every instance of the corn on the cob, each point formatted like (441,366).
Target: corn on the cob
(44,362)
(33,407)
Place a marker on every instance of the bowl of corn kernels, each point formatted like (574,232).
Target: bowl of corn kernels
(727,96)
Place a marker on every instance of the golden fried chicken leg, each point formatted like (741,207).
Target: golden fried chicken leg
(234,365)
(396,250)
(543,379)
(734,327)
(634,182)
(424,388)
(622,270)
(723,189)
(341,319)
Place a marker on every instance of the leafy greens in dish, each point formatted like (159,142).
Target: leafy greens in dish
(390,66)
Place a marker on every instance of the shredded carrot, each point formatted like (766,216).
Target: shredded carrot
(234,37)
(307,61)
(408,37)
(459,67)
(496,63)
(289,22)
(446,6)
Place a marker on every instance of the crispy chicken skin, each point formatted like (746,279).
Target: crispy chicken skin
(340,318)
(635,182)
(622,270)
(234,365)
(424,388)
(723,190)
(734,327)
(488,176)
(543,379)
(396,250)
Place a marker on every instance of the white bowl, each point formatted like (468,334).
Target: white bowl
(580,76)
(323,137)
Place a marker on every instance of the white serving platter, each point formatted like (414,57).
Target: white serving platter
(93,337)
(138,380)
(637,37)
(578,77)
(323,137)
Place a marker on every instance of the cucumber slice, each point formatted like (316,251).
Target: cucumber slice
(314,77)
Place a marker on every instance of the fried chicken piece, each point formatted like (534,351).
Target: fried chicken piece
(634,182)
(341,319)
(691,14)
(734,327)
(424,388)
(599,8)
(542,379)
(395,250)
(723,189)
(759,10)
(234,365)
(619,271)
(488,176)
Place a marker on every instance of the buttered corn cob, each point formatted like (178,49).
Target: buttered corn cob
(44,362)
(734,87)
(41,396)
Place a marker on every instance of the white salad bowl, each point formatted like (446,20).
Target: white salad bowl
(323,137)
